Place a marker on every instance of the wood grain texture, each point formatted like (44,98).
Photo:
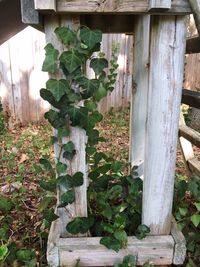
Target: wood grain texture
(45,5)
(159,4)
(180,245)
(190,134)
(29,14)
(139,93)
(90,252)
(116,6)
(167,50)
(77,136)
(191,98)
(185,146)
(195,5)
(194,166)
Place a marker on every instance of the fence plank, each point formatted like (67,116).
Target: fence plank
(190,134)
(164,98)
(195,5)
(45,5)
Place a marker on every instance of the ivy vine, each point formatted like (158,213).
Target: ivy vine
(114,199)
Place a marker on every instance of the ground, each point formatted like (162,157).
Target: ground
(20,150)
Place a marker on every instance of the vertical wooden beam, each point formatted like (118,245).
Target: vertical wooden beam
(159,4)
(45,5)
(77,136)
(139,92)
(195,5)
(29,14)
(167,51)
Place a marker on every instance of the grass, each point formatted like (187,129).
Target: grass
(22,227)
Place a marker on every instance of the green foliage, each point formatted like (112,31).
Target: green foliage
(2,119)
(187,213)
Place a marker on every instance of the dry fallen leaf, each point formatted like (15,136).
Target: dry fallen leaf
(23,158)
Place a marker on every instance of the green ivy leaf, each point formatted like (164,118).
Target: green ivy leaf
(67,198)
(25,255)
(61,168)
(90,105)
(69,150)
(88,86)
(63,132)
(5,204)
(121,236)
(48,185)
(183,211)
(90,37)
(46,164)
(58,87)
(197,205)
(54,119)
(107,212)
(195,219)
(49,215)
(3,251)
(142,231)
(100,93)
(80,225)
(66,35)
(78,116)
(48,96)
(98,65)
(50,62)
(130,261)
(77,179)
(71,60)
(111,243)
(115,192)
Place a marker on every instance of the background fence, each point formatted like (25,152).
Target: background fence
(21,77)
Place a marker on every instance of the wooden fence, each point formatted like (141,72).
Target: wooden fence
(21,77)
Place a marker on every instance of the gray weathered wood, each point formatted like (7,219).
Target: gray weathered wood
(195,5)
(194,166)
(186,146)
(191,98)
(139,93)
(45,5)
(190,134)
(90,252)
(159,4)
(164,98)
(180,245)
(29,14)
(77,136)
(112,6)
(53,257)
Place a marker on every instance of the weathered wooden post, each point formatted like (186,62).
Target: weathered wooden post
(158,73)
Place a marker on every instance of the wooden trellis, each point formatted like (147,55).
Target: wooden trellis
(159,28)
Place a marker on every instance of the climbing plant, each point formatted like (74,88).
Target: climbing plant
(114,199)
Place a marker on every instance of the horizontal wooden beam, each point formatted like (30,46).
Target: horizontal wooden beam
(157,249)
(190,134)
(194,166)
(112,6)
(159,5)
(45,5)
(191,98)
(193,45)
